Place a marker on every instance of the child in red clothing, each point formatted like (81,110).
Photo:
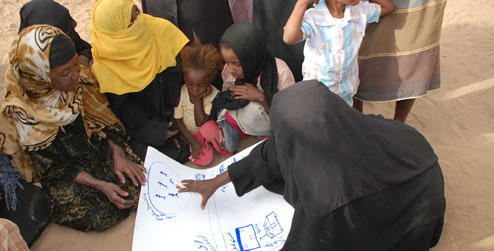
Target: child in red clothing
(200,64)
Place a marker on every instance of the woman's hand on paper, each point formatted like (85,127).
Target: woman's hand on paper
(205,188)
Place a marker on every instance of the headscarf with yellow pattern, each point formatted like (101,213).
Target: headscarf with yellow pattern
(32,111)
(127,58)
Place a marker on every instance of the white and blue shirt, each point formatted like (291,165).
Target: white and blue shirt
(332,44)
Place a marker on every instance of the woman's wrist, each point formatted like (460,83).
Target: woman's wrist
(86,179)
(99,185)
(221,179)
(118,152)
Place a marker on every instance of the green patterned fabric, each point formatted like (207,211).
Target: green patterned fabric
(71,204)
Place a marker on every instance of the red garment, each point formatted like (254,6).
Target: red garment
(210,133)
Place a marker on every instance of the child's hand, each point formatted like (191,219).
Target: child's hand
(208,91)
(195,148)
(169,132)
(198,98)
(248,92)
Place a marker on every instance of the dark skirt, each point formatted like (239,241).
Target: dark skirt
(408,216)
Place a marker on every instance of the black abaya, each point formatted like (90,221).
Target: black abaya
(208,19)
(53,13)
(271,16)
(407,216)
(356,182)
(146,115)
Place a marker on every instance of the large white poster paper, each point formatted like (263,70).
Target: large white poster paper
(167,220)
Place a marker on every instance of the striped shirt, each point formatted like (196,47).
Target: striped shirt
(332,45)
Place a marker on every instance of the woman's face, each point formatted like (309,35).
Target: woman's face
(232,62)
(196,82)
(65,77)
(133,15)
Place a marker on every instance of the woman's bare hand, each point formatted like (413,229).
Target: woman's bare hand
(115,194)
(205,188)
(134,171)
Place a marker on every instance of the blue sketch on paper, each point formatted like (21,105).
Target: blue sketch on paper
(202,243)
(275,243)
(272,225)
(222,168)
(247,238)
(162,197)
(200,176)
(232,242)
(168,220)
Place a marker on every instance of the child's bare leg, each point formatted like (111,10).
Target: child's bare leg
(358,105)
(403,108)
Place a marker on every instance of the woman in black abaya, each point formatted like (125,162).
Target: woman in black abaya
(357,182)
(208,19)
(53,13)
(271,16)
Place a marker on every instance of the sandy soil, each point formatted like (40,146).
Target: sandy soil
(458,120)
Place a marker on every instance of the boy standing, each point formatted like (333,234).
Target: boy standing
(333,31)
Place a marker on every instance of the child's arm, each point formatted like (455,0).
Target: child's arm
(200,117)
(194,144)
(387,7)
(292,33)
(189,138)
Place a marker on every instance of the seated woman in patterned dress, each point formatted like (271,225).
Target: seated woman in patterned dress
(77,146)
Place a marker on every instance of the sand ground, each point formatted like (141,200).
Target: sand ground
(458,120)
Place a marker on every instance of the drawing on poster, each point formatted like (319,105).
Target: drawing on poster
(247,238)
(259,220)
(162,198)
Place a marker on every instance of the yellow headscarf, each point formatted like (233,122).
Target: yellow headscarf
(127,59)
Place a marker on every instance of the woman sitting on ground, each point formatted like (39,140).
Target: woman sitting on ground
(53,13)
(251,77)
(134,58)
(76,144)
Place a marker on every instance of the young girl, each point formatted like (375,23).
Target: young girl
(333,31)
(253,76)
(200,64)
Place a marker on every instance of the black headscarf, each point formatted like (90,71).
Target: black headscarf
(53,13)
(331,154)
(249,45)
(62,50)
(45,12)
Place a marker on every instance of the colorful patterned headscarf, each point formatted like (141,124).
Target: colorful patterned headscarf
(32,111)
(127,59)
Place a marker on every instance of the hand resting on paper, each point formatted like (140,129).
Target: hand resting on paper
(205,188)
